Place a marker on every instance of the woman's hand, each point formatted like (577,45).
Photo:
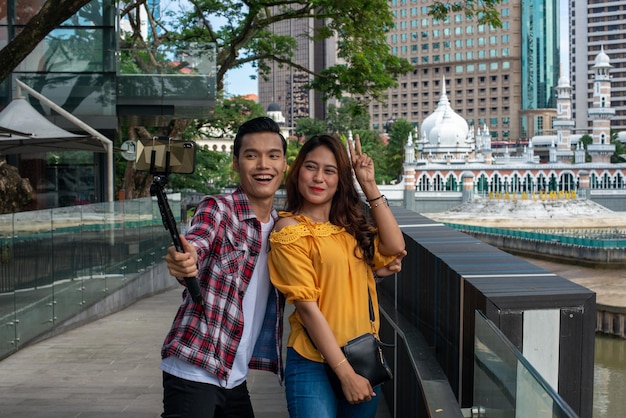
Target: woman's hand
(355,387)
(362,164)
(394,267)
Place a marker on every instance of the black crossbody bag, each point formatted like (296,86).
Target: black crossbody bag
(365,355)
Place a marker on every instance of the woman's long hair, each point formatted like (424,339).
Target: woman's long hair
(347,208)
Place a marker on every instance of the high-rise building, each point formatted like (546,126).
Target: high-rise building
(284,85)
(597,25)
(500,77)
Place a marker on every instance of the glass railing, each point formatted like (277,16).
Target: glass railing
(595,238)
(56,263)
(505,383)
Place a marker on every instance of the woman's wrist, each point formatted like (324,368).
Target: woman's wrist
(378,201)
(375,198)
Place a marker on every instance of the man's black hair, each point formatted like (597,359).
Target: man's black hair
(260,124)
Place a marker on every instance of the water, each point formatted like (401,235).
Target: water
(609,392)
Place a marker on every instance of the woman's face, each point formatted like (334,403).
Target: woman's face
(318,177)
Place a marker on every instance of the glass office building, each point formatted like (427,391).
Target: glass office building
(539,53)
(80,67)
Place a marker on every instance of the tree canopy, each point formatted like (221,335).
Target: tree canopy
(245,37)
(243,33)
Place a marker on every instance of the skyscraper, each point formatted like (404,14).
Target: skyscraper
(504,78)
(594,26)
(285,85)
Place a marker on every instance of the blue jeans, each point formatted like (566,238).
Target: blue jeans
(186,399)
(309,394)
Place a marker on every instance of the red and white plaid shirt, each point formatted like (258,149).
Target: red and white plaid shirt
(227,237)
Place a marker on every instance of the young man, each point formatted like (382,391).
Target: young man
(211,345)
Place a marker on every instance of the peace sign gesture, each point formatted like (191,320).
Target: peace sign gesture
(362,164)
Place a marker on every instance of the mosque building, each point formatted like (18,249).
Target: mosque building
(449,155)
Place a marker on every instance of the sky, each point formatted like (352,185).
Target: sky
(238,82)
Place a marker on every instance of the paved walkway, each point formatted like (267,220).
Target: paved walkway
(109,368)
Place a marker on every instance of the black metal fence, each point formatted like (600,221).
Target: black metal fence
(447,276)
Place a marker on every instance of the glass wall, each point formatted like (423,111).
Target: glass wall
(56,263)
(74,66)
(505,384)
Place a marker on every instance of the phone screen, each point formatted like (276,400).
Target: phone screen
(152,156)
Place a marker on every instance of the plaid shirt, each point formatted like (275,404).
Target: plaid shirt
(227,237)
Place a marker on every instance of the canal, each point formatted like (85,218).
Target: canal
(609,393)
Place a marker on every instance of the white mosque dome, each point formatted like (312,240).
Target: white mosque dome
(444,126)
(274,112)
(450,131)
(434,118)
(564,81)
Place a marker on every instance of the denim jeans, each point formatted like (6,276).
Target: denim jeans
(184,398)
(309,394)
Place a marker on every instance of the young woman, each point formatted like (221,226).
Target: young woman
(324,250)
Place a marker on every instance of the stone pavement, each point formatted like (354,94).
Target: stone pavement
(106,368)
(109,368)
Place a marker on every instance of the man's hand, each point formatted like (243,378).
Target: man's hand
(181,265)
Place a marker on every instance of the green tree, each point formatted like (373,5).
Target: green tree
(293,147)
(373,145)
(248,46)
(350,115)
(308,127)
(398,135)
(485,10)
(229,114)
(619,156)
(213,172)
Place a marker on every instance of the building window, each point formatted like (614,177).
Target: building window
(538,125)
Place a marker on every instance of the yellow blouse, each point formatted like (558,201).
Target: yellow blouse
(317,262)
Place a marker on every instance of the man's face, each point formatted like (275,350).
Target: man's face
(261,164)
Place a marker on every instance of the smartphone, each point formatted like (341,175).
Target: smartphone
(163,155)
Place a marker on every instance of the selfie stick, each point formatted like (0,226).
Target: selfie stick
(156,189)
